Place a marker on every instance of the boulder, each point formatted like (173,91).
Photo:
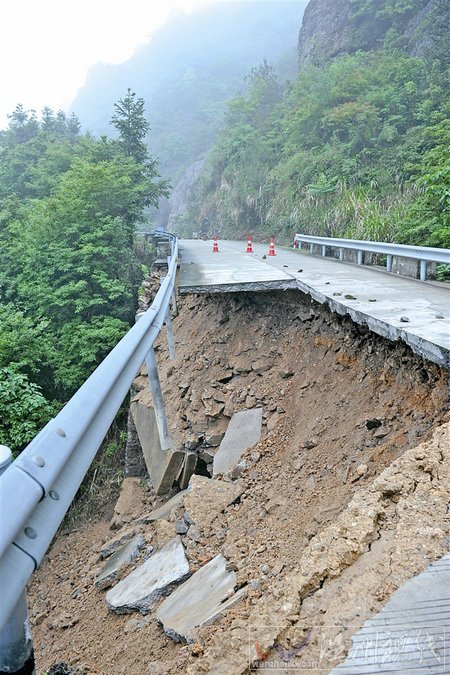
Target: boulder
(207,498)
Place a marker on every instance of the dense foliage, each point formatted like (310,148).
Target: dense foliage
(69,207)
(358,147)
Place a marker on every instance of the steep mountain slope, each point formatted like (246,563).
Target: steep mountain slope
(331,28)
(188,70)
(356,146)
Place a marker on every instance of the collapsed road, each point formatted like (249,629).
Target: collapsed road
(341,500)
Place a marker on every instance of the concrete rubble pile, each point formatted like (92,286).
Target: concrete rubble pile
(139,575)
(307,528)
(183,596)
(211,421)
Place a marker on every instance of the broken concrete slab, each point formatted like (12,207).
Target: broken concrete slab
(163,466)
(417,618)
(112,545)
(187,469)
(244,431)
(123,556)
(163,512)
(141,589)
(208,497)
(199,601)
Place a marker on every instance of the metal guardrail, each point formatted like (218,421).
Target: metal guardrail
(423,254)
(38,487)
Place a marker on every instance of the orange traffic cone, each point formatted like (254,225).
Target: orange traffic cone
(249,245)
(215,245)
(271,247)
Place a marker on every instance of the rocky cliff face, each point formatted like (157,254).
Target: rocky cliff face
(331,28)
(325,31)
(179,198)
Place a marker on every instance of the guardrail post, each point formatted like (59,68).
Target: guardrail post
(16,643)
(168,322)
(311,248)
(423,270)
(389,263)
(360,257)
(158,401)
(341,254)
(170,340)
(174,304)
(173,296)
(324,251)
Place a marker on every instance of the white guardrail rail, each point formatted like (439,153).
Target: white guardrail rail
(38,487)
(423,254)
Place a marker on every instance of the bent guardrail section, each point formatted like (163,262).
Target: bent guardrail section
(423,254)
(38,487)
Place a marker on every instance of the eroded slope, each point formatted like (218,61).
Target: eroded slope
(318,536)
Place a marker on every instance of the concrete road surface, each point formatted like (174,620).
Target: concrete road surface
(395,307)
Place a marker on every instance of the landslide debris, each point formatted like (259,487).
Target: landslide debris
(342,499)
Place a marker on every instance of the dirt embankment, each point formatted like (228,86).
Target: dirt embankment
(321,536)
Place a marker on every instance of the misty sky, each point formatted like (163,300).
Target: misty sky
(47,46)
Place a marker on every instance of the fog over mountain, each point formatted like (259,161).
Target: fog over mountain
(187,72)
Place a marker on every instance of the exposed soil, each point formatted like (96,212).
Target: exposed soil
(321,536)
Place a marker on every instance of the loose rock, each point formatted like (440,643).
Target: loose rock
(208,497)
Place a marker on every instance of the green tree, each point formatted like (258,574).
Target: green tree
(74,245)
(23,124)
(427,220)
(23,341)
(23,409)
(130,122)
(437,25)
(69,206)
(35,154)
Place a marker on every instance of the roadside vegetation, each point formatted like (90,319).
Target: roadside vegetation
(357,147)
(69,267)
